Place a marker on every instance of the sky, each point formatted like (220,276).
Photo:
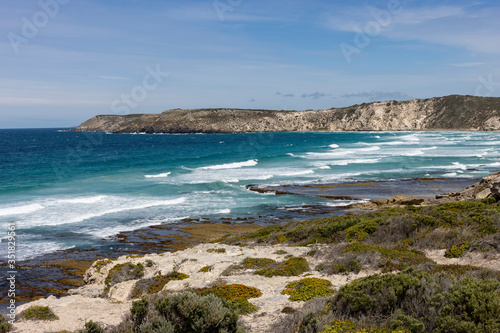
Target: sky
(65,61)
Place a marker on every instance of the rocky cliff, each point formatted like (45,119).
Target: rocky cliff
(440,113)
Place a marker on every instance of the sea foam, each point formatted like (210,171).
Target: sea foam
(234,165)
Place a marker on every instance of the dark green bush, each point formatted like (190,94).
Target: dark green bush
(291,267)
(139,310)
(192,313)
(421,302)
(473,306)
(4,324)
(92,327)
(124,272)
(39,313)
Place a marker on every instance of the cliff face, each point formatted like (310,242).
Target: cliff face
(440,113)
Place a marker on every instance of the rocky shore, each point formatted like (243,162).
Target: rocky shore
(465,113)
(106,301)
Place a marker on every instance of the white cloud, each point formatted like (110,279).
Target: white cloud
(455,26)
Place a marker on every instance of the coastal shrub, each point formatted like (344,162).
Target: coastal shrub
(236,294)
(157,324)
(390,227)
(457,251)
(362,230)
(5,326)
(291,267)
(231,269)
(205,269)
(155,284)
(256,263)
(391,259)
(473,306)
(190,312)
(218,250)
(280,252)
(37,312)
(421,302)
(124,272)
(139,311)
(307,289)
(344,326)
(92,327)
(100,264)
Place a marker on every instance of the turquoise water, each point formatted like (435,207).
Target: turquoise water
(72,190)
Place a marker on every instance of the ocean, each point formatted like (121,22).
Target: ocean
(76,190)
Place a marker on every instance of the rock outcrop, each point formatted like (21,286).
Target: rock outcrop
(488,187)
(440,113)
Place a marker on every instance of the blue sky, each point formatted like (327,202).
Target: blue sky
(64,61)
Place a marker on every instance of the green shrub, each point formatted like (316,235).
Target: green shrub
(473,306)
(344,326)
(92,327)
(391,259)
(139,310)
(457,251)
(361,231)
(155,284)
(352,265)
(231,269)
(255,263)
(236,294)
(124,272)
(157,324)
(4,324)
(420,302)
(205,269)
(219,250)
(308,289)
(190,312)
(291,267)
(39,313)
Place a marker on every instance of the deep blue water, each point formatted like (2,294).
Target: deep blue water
(69,189)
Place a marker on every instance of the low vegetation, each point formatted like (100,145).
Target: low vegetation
(308,289)
(236,294)
(155,284)
(39,313)
(181,312)
(5,326)
(291,267)
(92,327)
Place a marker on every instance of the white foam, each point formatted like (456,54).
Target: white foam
(347,162)
(128,208)
(334,145)
(20,210)
(161,175)
(451,174)
(82,200)
(234,165)
(224,211)
(296,173)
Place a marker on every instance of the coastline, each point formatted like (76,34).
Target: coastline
(197,234)
(59,272)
